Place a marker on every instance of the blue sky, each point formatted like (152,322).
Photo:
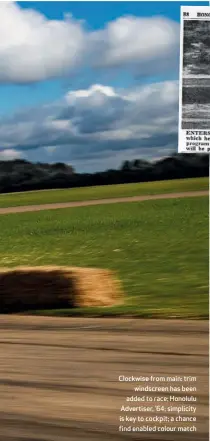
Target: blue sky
(127,57)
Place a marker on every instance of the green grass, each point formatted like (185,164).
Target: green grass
(90,193)
(158,248)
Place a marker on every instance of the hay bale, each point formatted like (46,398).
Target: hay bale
(28,288)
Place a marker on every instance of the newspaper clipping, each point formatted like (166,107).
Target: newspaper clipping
(194,96)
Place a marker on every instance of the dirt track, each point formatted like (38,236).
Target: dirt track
(102,202)
(59,377)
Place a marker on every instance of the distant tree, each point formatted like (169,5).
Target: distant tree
(126,165)
(140,164)
(64,167)
(22,175)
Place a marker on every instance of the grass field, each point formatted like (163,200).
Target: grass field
(109,191)
(158,248)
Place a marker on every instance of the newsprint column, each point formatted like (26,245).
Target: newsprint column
(194,95)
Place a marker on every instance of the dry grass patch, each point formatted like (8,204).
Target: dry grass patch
(28,288)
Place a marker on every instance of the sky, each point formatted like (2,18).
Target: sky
(89,83)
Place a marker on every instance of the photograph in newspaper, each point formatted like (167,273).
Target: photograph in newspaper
(194,124)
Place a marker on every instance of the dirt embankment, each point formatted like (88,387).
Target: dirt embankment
(59,377)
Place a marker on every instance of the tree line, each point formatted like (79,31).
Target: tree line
(21,175)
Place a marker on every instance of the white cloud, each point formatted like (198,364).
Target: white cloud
(137,41)
(100,122)
(9,154)
(96,90)
(34,48)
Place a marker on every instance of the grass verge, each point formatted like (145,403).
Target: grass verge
(158,248)
(103,192)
